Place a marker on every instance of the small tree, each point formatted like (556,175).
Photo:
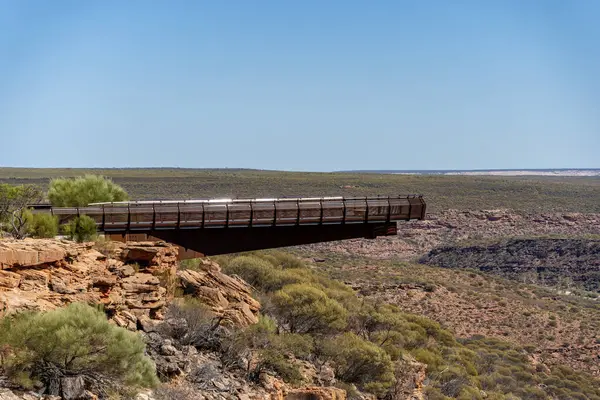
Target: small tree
(73,341)
(81,191)
(307,309)
(80,229)
(13,207)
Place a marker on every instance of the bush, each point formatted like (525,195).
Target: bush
(199,324)
(283,260)
(361,362)
(260,273)
(80,229)
(76,340)
(79,192)
(303,308)
(377,318)
(42,225)
(269,351)
(430,357)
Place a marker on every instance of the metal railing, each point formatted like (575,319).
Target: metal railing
(226,213)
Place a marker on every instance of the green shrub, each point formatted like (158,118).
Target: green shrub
(269,350)
(432,358)
(303,308)
(76,340)
(374,318)
(42,225)
(452,382)
(433,329)
(359,361)
(261,274)
(80,229)
(81,191)
(283,260)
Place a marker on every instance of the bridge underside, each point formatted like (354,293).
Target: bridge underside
(233,240)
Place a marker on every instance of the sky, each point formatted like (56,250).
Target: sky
(300,85)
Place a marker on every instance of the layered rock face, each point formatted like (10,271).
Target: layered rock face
(133,281)
(228,297)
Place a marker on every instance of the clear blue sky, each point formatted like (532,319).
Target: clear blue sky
(300,85)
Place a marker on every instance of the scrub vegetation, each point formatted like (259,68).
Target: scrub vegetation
(308,316)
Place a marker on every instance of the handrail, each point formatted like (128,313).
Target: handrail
(248,213)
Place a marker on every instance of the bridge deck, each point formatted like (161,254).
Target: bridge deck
(230,225)
(226,213)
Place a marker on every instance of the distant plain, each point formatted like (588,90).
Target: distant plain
(535,194)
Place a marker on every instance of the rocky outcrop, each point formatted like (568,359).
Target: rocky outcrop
(410,378)
(40,274)
(202,374)
(567,263)
(133,281)
(228,297)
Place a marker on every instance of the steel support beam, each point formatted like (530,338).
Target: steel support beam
(233,240)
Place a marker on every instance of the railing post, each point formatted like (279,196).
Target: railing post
(389,214)
(203,216)
(153,217)
(321,217)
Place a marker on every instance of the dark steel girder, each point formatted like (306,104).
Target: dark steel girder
(234,240)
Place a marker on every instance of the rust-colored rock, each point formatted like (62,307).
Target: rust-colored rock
(410,377)
(131,280)
(9,279)
(30,252)
(227,296)
(44,274)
